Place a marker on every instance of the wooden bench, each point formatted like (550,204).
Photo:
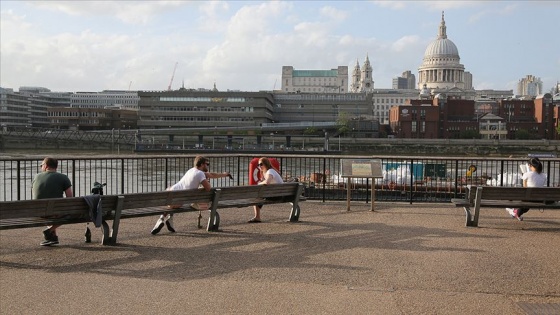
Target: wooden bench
(33,213)
(506,197)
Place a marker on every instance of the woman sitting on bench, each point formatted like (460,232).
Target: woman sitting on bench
(533,178)
(269,176)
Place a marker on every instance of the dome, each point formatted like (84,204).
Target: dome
(442,46)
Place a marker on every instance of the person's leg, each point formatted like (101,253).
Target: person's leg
(522,211)
(159,224)
(169,223)
(50,236)
(257,217)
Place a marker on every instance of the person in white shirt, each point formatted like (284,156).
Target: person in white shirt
(194,178)
(269,176)
(533,178)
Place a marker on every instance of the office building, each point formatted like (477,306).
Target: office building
(315,81)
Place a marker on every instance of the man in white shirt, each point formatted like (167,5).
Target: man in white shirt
(194,178)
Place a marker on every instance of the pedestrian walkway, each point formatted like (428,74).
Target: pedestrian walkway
(400,259)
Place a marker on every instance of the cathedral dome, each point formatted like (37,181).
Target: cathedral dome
(441,47)
(441,68)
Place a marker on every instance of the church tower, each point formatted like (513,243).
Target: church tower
(355,86)
(366,83)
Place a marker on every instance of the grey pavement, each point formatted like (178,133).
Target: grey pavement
(400,259)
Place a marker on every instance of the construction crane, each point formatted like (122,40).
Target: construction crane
(172,76)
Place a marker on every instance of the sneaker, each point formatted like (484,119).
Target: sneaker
(169,223)
(47,234)
(511,212)
(52,239)
(159,225)
(516,215)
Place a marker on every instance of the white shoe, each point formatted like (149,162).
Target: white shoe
(511,212)
(159,225)
(169,223)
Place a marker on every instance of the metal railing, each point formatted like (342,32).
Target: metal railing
(406,179)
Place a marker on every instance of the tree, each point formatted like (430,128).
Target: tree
(523,134)
(310,131)
(469,134)
(342,123)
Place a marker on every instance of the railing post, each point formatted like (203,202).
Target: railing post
(456,177)
(122,176)
(76,193)
(411,178)
(323,180)
(18,176)
(502,172)
(166,172)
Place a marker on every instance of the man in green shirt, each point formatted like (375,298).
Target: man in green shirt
(51,184)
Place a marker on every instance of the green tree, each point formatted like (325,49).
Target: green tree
(342,123)
(469,134)
(310,131)
(523,134)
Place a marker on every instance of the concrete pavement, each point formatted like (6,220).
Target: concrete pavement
(400,259)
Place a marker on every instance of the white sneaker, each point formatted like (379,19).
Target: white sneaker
(511,212)
(169,223)
(159,225)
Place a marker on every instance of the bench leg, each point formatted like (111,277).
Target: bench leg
(294,214)
(469,221)
(213,222)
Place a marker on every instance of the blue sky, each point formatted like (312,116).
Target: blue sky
(242,45)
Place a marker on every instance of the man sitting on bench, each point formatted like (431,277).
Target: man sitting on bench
(194,178)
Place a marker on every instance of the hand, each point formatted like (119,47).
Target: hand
(229,175)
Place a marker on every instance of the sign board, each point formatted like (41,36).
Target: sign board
(361,168)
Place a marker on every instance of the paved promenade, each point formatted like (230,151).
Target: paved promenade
(400,259)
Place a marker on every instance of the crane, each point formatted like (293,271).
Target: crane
(172,76)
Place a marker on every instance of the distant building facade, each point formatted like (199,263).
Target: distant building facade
(75,118)
(189,108)
(407,81)
(445,118)
(530,86)
(105,99)
(315,81)
(383,99)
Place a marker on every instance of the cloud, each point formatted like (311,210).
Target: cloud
(131,12)
(333,13)
(429,5)
(405,42)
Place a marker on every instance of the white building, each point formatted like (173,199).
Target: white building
(362,78)
(530,86)
(383,99)
(105,99)
(441,68)
(315,81)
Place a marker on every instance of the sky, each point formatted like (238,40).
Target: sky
(72,46)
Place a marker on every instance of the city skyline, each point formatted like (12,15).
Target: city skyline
(94,46)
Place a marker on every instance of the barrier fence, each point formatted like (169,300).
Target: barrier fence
(405,179)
